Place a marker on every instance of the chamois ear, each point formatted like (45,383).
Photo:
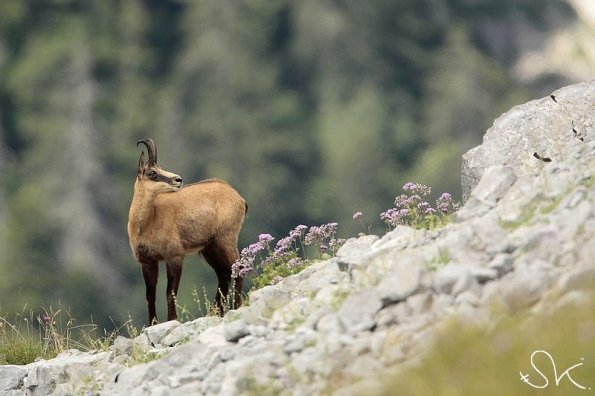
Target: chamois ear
(141,164)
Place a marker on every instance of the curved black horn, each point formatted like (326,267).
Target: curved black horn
(151,150)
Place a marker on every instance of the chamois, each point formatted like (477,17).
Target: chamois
(167,221)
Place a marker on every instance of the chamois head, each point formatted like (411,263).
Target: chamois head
(151,175)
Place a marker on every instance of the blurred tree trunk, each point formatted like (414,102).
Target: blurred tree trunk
(84,176)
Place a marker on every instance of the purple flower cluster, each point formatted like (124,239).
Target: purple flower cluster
(412,208)
(395,216)
(318,236)
(445,202)
(249,254)
(288,243)
(287,249)
(417,189)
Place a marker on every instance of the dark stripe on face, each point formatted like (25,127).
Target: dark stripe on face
(156,176)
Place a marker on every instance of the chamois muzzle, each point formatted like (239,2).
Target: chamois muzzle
(177,182)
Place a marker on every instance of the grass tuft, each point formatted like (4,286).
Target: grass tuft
(28,336)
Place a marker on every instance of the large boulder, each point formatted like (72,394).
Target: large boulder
(534,134)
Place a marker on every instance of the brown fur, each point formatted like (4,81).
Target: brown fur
(167,222)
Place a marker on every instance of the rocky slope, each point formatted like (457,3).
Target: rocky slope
(524,240)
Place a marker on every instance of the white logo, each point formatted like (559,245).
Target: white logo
(558,378)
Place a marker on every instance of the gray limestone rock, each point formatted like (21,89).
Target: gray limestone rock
(11,378)
(494,184)
(354,251)
(330,324)
(358,311)
(452,278)
(420,303)
(157,332)
(394,314)
(397,239)
(544,127)
(501,263)
(235,330)
(178,335)
(122,345)
(403,280)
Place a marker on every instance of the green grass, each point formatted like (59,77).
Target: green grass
(199,307)
(549,206)
(20,351)
(442,258)
(469,360)
(524,218)
(28,336)
(21,341)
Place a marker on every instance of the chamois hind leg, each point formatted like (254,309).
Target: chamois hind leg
(221,256)
(150,270)
(174,273)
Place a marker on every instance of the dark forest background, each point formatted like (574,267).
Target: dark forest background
(312,109)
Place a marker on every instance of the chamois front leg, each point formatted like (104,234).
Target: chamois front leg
(174,273)
(150,270)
